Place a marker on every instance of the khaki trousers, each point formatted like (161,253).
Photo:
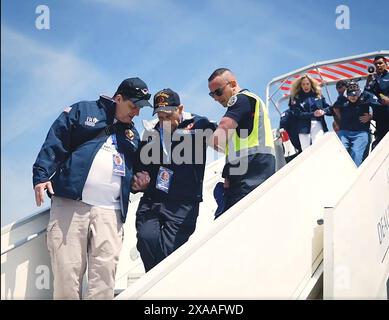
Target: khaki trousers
(81,236)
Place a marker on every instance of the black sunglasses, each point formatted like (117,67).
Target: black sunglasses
(219,91)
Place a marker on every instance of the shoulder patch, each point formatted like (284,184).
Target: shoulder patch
(232,101)
(67,109)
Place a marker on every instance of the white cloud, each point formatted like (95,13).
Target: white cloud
(37,82)
(128,4)
(46,79)
(131,5)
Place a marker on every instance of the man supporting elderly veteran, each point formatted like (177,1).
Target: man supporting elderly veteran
(244,134)
(85,165)
(171,170)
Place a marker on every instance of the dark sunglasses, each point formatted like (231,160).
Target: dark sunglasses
(219,91)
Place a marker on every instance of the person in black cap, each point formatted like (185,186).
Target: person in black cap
(378,84)
(354,121)
(171,167)
(341,87)
(85,165)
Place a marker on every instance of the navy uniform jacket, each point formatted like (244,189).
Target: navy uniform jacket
(187,179)
(340,100)
(259,165)
(380,112)
(350,112)
(72,143)
(303,106)
(289,122)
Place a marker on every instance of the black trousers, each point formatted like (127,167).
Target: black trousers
(162,227)
(260,167)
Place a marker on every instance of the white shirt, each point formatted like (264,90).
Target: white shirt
(102,187)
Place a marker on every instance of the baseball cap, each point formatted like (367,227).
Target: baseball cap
(353,89)
(136,90)
(166,100)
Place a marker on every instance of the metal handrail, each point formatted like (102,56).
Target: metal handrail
(22,242)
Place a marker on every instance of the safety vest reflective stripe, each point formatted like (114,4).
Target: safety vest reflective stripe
(260,139)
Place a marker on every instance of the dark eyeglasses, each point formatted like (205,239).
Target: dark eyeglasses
(219,91)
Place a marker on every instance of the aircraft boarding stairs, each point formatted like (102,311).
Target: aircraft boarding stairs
(318,228)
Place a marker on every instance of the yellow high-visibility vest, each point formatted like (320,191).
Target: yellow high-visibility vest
(260,140)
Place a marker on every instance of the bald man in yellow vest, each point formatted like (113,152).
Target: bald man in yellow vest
(244,134)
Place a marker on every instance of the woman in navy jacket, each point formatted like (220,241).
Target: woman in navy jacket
(308,107)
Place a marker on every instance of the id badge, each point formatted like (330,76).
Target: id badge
(164,179)
(118,164)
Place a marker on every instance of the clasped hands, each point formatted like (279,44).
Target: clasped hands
(140,181)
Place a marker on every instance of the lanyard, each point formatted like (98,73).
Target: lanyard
(114,141)
(164,148)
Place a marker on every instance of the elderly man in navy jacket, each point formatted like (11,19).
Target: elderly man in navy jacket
(171,170)
(85,165)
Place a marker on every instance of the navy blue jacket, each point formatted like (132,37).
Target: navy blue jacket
(303,105)
(380,85)
(350,112)
(187,180)
(72,143)
(340,100)
(290,123)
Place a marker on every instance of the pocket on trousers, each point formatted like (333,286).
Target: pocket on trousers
(53,235)
(51,225)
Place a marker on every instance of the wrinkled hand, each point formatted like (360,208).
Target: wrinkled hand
(40,192)
(365,118)
(141,181)
(319,113)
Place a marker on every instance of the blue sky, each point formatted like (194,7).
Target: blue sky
(94,44)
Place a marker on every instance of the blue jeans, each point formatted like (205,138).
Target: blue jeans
(355,143)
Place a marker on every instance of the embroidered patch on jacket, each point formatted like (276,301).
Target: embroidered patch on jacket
(91,122)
